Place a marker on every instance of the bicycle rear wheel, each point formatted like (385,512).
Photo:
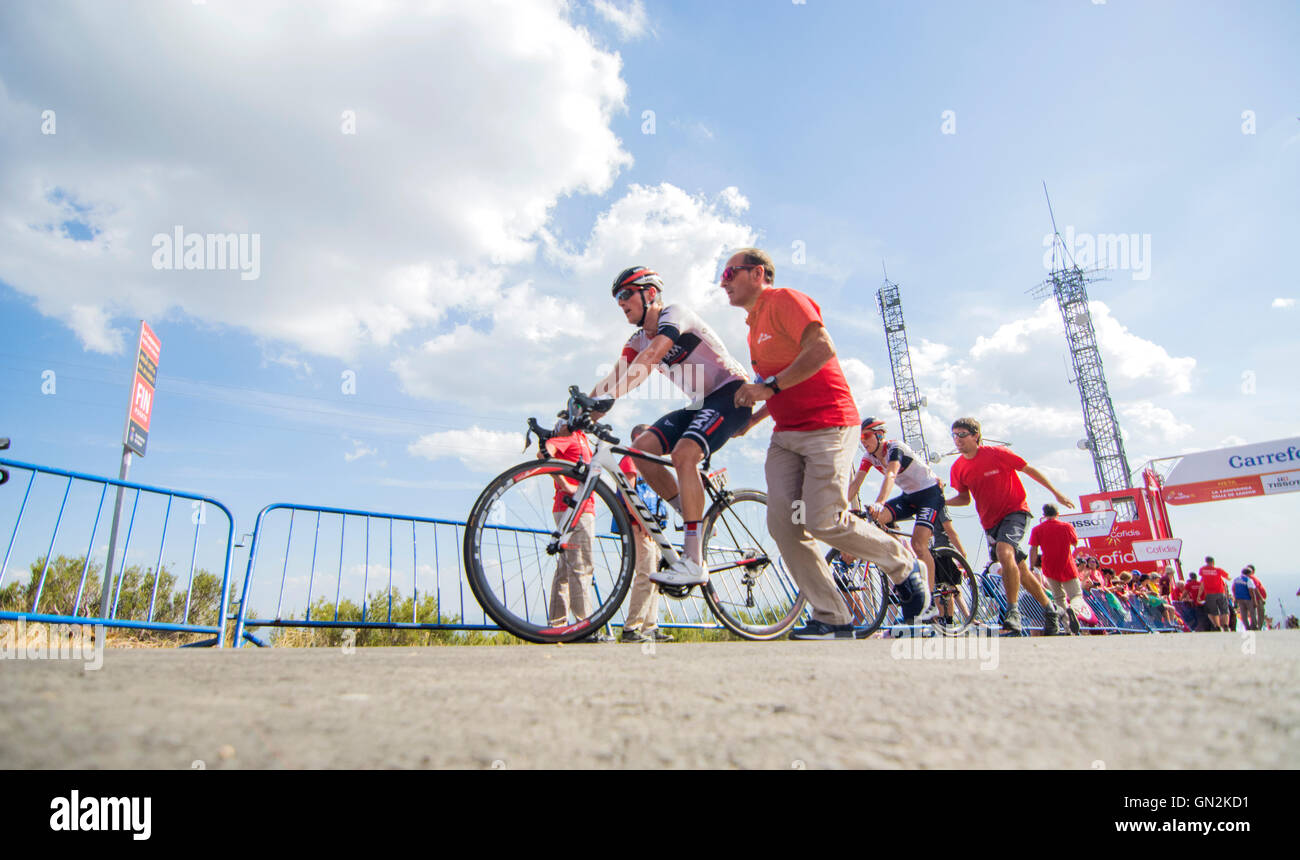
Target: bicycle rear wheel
(515,577)
(749,589)
(957,600)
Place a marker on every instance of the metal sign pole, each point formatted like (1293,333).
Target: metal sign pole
(106,599)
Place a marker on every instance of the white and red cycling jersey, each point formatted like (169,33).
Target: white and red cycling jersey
(698,362)
(913,473)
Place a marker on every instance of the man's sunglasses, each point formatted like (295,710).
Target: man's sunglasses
(623,295)
(961,434)
(730,272)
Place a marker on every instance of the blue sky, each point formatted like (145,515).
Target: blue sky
(453,253)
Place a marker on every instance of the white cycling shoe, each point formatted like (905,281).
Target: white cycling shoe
(683,572)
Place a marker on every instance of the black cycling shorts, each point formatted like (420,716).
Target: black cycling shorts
(926,505)
(710,426)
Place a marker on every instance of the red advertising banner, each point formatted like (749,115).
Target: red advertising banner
(142,390)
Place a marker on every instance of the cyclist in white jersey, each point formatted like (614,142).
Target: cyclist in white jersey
(922,497)
(675,341)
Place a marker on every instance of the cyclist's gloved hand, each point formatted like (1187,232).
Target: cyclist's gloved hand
(875,510)
(561,428)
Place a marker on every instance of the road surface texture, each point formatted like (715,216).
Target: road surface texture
(1173,701)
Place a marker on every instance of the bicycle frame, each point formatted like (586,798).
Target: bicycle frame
(603,461)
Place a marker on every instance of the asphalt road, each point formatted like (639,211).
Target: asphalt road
(1175,701)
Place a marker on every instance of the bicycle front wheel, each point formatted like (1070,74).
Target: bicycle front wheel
(956,592)
(536,592)
(749,589)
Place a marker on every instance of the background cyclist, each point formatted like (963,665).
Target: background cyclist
(921,496)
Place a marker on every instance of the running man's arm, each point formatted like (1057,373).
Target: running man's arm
(962,498)
(815,349)
(628,375)
(1042,479)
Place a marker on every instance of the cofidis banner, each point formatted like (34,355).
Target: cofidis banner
(1260,469)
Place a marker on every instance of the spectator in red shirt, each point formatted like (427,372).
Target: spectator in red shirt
(1057,540)
(1194,593)
(571,589)
(989,473)
(1215,582)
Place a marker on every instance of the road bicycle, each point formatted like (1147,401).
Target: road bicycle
(870,595)
(514,539)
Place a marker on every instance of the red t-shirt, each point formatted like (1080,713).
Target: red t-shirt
(1176,591)
(991,478)
(576,449)
(776,324)
(1215,579)
(1194,592)
(1260,588)
(1057,539)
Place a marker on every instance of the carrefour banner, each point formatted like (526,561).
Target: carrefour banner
(1260,469)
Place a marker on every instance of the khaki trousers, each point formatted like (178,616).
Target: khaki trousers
(571,585)
(643,605)
(807,501)
(1063,591)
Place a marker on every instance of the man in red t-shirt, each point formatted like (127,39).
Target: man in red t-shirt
(1057,539)
(571,586)
(1215,581)
(988,472)
(811,452)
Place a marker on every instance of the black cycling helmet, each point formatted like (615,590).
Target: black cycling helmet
(875,425)
(638,278)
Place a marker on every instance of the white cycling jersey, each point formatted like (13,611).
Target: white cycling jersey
(913,473)
(698,362)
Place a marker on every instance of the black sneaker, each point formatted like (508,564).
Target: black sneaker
(663,637)
(633,636)
(598,636)
(1051,622)
(1073,619)
(1011,622)
(815,629)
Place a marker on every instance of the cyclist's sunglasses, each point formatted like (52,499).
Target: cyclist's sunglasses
(622,295)
(730,272)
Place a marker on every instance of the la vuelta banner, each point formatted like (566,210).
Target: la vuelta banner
(1261,469)
(142,388)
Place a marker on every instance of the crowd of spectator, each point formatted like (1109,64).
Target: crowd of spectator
(1208,599)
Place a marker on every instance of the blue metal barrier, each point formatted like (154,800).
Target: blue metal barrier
(76,503)
(418,558)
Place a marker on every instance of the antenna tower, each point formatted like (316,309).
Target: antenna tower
(906,400)
(1069,284)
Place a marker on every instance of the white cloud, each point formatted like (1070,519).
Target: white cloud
(451,172)
(1156,422)
(359,450)
(629,19)
(562,331)
(1283,303)
(480,450)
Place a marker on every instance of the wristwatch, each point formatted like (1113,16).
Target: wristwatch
(770,382)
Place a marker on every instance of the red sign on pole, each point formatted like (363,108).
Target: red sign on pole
(142,389)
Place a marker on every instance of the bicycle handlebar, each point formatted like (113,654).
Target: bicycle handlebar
(577,415)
